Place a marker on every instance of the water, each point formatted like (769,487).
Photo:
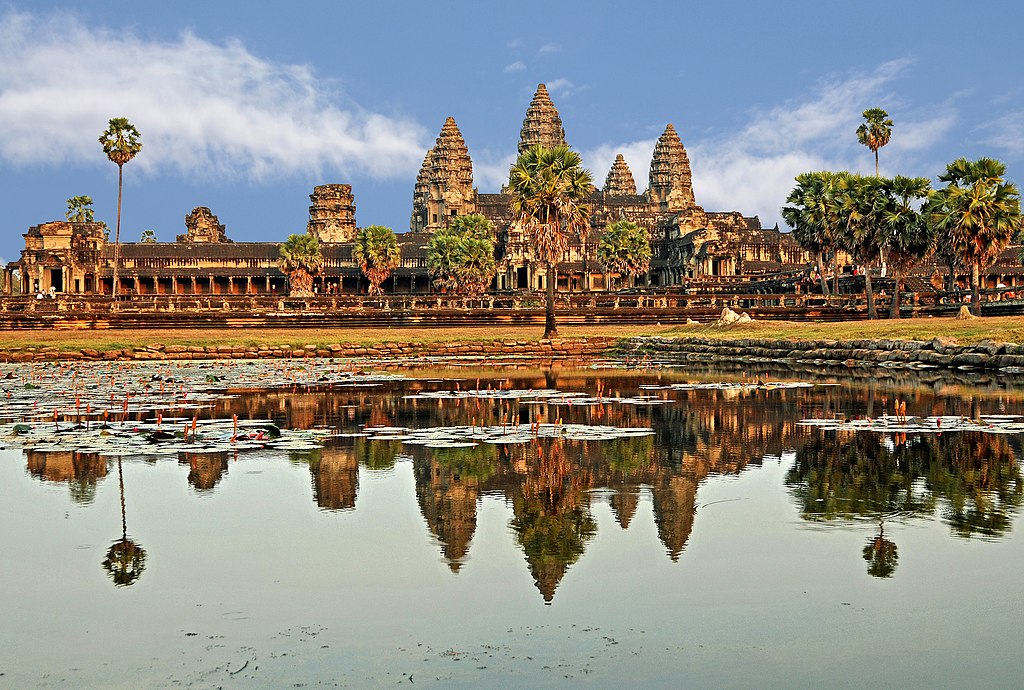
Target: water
(733,547)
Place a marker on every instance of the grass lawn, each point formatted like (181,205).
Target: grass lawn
(1010,329)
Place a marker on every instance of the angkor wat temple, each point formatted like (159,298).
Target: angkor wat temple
(689,244)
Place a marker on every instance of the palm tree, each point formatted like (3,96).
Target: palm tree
(121,143)
(80,210)
(875,132)
(462,255)
(148,237)
(624,248)
(908,236)
(442,259)
(813,216)
(980,214)
(859,201)
(301,260)
(376,251)
(548,186)
(125,559)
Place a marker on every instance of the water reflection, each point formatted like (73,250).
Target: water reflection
(970,481)
(125,559)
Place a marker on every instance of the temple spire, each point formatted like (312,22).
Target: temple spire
(542,124)
(444,186)
(670,185)
(620,180)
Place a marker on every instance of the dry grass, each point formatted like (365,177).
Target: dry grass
(1010,329)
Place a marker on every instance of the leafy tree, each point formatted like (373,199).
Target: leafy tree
(908,236)
(121,144)
(80,210)
(979,212)
(376,251)
(812,214)
(301,259)
(875,132)
(859,201)
(461,256)
(548,186)
(625,248)
(148,237)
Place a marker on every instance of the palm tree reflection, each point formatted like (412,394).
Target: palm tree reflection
(125,559)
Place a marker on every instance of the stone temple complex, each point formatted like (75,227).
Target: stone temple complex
(689,244)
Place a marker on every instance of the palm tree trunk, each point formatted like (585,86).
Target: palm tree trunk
(872,314)
(821,275)
(876,162)
(835,273)
(894,310)
(975,290)
(550,328)
(117,232)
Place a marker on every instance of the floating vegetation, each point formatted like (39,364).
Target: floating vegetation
(469,436)
(729,386)
(155,408)
(893,424)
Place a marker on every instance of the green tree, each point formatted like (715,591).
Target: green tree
(548,186)
(377,253)
(859,201)
(80,210)
(625,248)
(461,256)
(979,212)
(908,236)
(301,259)
(148,237)
(813,215)
(121,144)
(875,132)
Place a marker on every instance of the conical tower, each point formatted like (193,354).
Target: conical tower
(444,187)
(671,186)
(332,215)
(620,180)
(542,124)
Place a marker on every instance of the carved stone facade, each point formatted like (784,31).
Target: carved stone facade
(444,186)
(332,217)
(542,124)
(670,185)
(620,180)
(201,226)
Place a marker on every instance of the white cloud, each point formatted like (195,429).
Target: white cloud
(204,109)
(560,87)
(490,170)
(1007,133)
(548,48)
(517,66)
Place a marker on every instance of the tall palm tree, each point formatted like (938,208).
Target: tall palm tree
(980,214)
(860,201)
(80,209)
(301,259)
(376,251)
(121,144)
(908,236)
(813,216)
(548,186)
(875,132)
(625,248)
(126,559)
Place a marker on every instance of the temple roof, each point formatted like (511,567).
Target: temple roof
(670,178)
(542,124)
(620,180)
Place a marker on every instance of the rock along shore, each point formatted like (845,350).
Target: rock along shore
(943,353)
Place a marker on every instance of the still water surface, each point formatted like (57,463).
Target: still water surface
(731,547)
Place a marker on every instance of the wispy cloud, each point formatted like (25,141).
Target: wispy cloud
(204,109)
(1006,133)
(561,87)
(517,66)
(548,48)
(490,170)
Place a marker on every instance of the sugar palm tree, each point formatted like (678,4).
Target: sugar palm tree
(859,202)
(624,248)
(909,237)
(301,259)
(548,186)
(121,144)
(80,209)
(462,255)
(442,259)
(376,251)
(875,132)
(979,212)
(125,559)
(813,216)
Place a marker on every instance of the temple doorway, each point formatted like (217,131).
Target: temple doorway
(57,279)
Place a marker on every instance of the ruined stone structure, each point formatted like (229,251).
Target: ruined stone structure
(332,216)
(201,226)
(690,245)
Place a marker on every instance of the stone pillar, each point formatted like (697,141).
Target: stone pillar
(193,285)
(231,285)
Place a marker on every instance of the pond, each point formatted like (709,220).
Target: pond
(252,524)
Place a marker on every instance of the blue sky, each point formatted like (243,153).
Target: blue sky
(244,107)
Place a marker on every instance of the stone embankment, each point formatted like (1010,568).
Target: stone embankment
(556,349)
(939,352)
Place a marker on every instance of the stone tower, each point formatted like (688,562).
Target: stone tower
(332,217)
(203,227)
(620,180)
(670,185)
(444,186)
(542,124)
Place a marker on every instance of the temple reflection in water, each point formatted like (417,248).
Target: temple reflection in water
(972,482)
